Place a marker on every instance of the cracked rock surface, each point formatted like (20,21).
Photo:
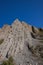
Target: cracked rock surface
(23,42)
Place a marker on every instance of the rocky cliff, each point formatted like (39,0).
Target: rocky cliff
(23,42)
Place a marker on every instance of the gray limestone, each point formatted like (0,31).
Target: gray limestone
(20,42)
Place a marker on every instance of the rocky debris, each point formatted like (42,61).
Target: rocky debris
(23,42)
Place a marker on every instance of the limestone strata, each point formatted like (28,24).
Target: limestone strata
(23,42)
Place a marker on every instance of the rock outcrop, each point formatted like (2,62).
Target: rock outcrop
(23,42)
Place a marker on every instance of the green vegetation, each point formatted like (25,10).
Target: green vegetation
(41,41)
(8,62)
(1,41)
(10,59)
(41,32)
(38,50)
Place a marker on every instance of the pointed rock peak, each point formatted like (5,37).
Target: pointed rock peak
(16,21)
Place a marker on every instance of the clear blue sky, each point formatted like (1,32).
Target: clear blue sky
(30,11)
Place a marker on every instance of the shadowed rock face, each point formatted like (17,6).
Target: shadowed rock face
(23,42)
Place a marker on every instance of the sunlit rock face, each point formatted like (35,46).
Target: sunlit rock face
(23,42)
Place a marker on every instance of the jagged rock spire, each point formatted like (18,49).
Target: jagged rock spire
(22,42)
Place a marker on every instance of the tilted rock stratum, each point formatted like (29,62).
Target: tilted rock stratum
(23,42)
